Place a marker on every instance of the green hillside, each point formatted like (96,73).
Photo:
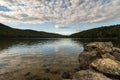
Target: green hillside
(8,32)
(102,32)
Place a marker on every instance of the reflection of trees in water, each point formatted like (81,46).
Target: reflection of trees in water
(116,42)
(4,44)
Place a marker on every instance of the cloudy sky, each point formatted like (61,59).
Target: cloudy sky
(59,16)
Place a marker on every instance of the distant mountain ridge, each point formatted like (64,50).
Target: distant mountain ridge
(112,31)
(101,32)
(8,32)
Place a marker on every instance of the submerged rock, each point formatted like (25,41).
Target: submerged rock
(27,74)
(89,75)
(66,75)
(107,66)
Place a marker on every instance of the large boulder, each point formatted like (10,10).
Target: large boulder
(85,59)
(89,75)
(101,57)
(107,66)
(95,51)
(103,47)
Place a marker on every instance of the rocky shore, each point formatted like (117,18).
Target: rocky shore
(99,61)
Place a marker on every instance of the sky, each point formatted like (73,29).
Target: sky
(59,16)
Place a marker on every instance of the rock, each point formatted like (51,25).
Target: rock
(54,72)
(27,74)
(116,55)
(104,47)
(34,77)
(115,49)
(89,75)
(94,51)
(101,57)
(76,69)
(66,75)
(107,66)
(85,59)
(108,55)
(47,70)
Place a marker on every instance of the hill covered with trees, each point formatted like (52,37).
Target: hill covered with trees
(8,32)
(102,32)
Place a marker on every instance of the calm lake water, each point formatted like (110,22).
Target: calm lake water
(41,46)
(47,46)
(18,56)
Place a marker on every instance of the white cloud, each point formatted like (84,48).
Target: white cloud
(61,26)
(63,11)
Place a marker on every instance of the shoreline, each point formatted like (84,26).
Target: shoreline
(99,61)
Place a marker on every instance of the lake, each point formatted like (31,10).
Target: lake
(25,59)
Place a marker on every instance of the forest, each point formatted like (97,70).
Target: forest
(8,32)
(112,31)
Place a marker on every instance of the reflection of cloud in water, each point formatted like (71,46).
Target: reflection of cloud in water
(57,46)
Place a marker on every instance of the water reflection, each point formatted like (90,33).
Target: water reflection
(40,46)
(47,46)
(116,42)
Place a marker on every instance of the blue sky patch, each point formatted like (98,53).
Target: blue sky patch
(3,8)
